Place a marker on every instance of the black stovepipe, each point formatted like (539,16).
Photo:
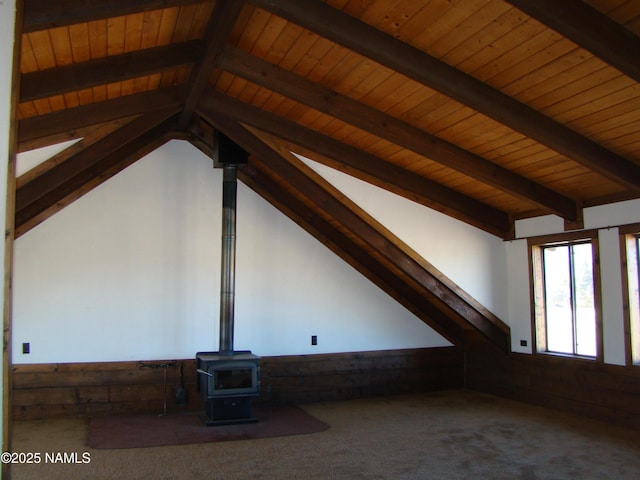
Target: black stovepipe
(228,258)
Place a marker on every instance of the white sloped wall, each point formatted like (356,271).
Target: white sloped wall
(131,271)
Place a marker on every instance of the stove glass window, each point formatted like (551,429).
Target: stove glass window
(233,378)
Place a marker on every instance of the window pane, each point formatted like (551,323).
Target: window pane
(558,299)
(585,308)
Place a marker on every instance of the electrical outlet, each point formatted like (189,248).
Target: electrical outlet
(523,343)
(314,340)
(26,348)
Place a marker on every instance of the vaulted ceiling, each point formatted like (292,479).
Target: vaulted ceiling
(486,110)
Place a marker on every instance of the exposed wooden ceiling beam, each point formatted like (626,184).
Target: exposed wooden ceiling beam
(102,171)
(90,136)
(46,192)
(396,131)
(223,18)
(589,29)
(370,42)
(41,15)
(115,68)
(363,165)
(376,237)
(38,131)
(402,182)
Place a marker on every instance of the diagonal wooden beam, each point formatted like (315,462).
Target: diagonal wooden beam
(394,130)
(370,42)
(402,182)
(589,29)
(115,68)
(41,15)
(363,165)
(47,193)
(223,18)
(90,135)
(65,124)
(258,179)
(392,249)
(66,194)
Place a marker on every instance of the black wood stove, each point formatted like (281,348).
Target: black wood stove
(228,384)
(228,380)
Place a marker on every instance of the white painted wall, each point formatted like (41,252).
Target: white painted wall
(606,219)
(612,311)
(131,271)
(519,303)
(472,258)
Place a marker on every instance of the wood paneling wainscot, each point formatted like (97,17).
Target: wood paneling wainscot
(90,389)
(584,387)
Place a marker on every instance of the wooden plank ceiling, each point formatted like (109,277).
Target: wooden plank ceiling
(486,110)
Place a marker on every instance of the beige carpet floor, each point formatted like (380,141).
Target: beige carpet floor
(444,435)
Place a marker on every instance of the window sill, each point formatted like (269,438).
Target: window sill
(568,355)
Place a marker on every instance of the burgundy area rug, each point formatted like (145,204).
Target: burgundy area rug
(137,431)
